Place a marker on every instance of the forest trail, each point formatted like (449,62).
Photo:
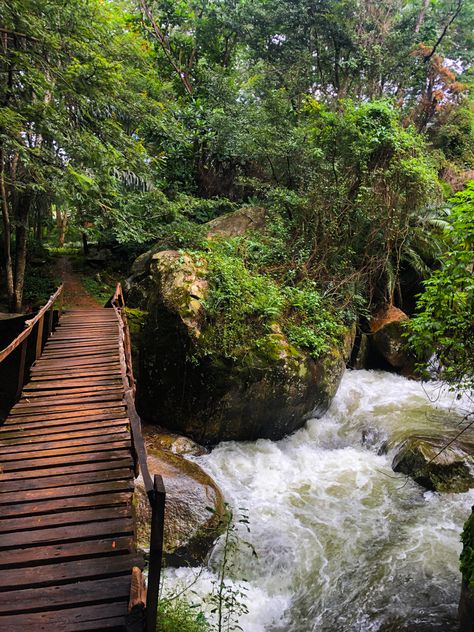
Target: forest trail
(75,294)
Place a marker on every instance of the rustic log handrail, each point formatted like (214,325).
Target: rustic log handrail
(22,339)
(154,488)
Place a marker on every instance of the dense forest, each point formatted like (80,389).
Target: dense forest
(340,131)
(137,122)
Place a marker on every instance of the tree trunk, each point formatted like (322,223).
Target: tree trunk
(421,15)
(85,245)
(61,223)
(20,255)
(6,237)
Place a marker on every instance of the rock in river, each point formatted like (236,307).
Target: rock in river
(267,393)
(437,467)
(190,527)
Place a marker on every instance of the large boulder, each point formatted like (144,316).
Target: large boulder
(190,526)
(466,603)
(435,465)
(237,223)
(267,393)
(386,333)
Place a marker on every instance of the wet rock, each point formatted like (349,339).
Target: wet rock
(190,527)
(348,343)
(449,471)
(466,603)
(170,442)
(387,327)
(266,394)
(375,439)
(361,353)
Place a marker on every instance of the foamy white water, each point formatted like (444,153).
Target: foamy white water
(344,544)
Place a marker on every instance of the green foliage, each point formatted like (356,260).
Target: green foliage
(245,303)
(444,322)
(177,615)
(467,555)
(40,284)
(100,285)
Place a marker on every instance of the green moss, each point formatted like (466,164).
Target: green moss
(136,319)
(245,304)
(467,555)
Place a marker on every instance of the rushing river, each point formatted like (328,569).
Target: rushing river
(344,543)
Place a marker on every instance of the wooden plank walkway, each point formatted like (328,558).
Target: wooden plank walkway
(66,484)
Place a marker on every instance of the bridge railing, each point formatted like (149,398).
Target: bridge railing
(154,487)
(46,312)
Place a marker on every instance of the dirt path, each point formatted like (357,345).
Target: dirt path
(75,294)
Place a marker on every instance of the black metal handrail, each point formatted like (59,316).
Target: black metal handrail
(154,488)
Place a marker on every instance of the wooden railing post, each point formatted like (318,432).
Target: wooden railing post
(50,320)
(21,370)
(157,501)
(39,337)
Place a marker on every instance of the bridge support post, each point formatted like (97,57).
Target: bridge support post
(157,501)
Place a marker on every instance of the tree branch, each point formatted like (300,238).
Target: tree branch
(160,36)
(445,30)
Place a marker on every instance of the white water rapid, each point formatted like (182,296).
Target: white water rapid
(344,544)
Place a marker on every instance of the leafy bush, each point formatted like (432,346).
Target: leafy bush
(444,322)
(177,615)
(245,304)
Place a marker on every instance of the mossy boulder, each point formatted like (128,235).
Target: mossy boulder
(267,391)
(387,329)
(434,466)
(466,603)
(190,527)
(237,223)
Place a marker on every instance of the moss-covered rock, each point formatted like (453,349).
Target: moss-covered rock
(387,329)
(191,383)
(190,527)
(434,466)
(466,603)
(238,222)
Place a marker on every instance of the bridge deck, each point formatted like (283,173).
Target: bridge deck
(66,483)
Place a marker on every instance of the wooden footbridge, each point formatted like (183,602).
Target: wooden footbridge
(69,451)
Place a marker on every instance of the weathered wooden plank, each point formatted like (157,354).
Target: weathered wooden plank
(47,430)
(63,480)
(64,450)
(100,440)
(71,459)
(83,593)
(55,505)
(55,419)
(34,495)
(93,373)
(55,574)
(65,469)
(67,383)
(39,439)
(55,411)
(88,531)
(109,616)
(96,514)
(39,395)
(68,400)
